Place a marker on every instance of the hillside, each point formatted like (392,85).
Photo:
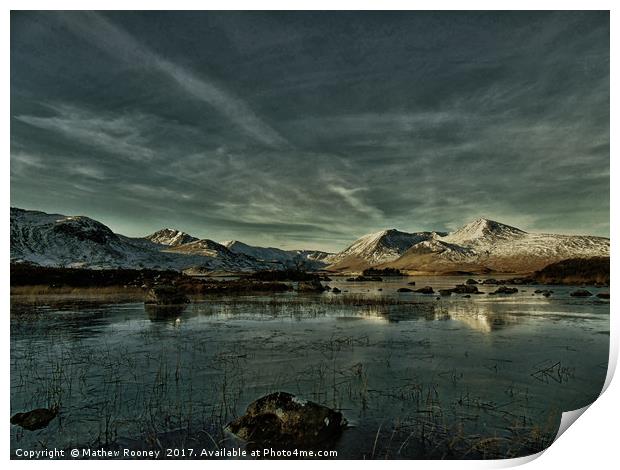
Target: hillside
(376,248)
(485,245)
(575,271)
(80,242)
(307,258)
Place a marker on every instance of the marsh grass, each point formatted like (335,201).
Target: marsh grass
(46,295)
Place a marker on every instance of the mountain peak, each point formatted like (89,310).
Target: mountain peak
(483,229)
(378,247)
(170,237)
(234,244)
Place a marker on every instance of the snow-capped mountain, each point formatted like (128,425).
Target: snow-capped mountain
(308,258)
(76,241)
(376,248)
(482,232)
(484,245)
(170,237)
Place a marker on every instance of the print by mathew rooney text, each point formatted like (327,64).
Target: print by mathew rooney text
(172,453)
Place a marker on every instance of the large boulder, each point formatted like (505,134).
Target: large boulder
(282,420)
(165,295)
(35,419)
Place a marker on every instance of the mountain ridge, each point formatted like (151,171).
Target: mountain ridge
(308,258)
(481,245)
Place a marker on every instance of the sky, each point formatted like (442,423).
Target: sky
(310,129)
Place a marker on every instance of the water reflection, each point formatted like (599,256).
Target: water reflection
(481,317)
(165,313)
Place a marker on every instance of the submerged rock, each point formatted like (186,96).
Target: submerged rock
(412,283)
(282,420)
(445,292)
(471,281)
(35,419)
(165,295)
(581,293)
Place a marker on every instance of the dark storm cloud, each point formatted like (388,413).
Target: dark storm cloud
(310,129)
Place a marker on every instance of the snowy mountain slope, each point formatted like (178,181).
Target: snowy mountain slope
(376,248)
(58,240)
(482,245)
(226,258)
(170,237)
(311,259)
(482,232)
(485,244)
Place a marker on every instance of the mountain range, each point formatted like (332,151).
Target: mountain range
(480,246)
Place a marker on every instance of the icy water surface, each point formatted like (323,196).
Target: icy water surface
(416,377)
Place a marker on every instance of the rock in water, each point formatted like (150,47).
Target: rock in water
(506,290)
(471,281)
(465,289)
(165,295)
(404,289)
(603,295)
(581,293)
(310,286)
(282,420)
(425,290)
(35,419)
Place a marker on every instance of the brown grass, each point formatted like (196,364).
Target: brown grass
(42,294)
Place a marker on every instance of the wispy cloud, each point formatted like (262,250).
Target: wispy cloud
(116,134)
(352,198)
(119,43)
